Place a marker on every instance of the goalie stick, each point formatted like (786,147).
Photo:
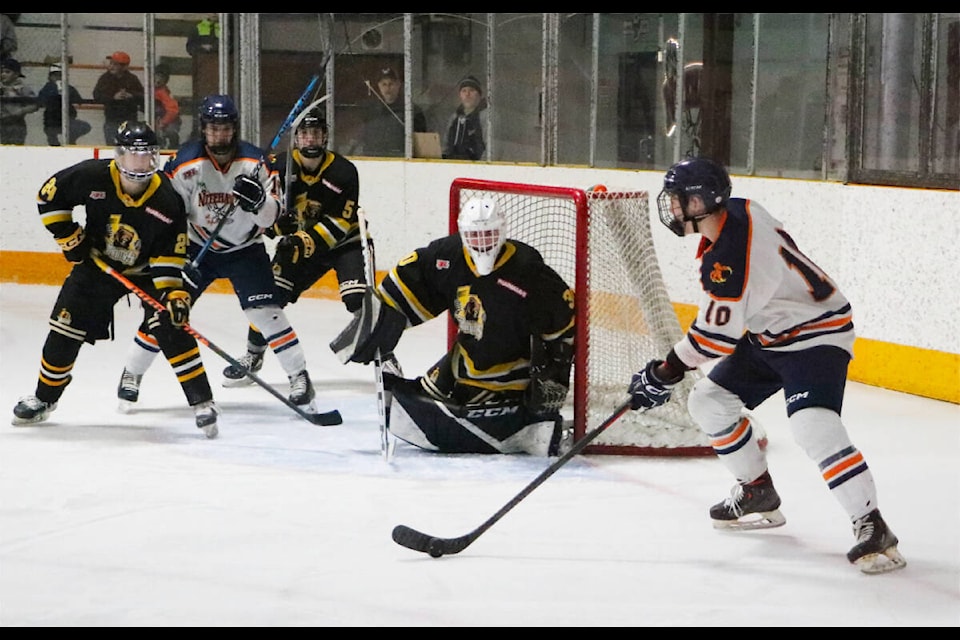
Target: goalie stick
(437,547)
(387,445)
(325,419)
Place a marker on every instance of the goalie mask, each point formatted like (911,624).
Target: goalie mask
(137,154)
(692,177)
(483,230)
(312,134)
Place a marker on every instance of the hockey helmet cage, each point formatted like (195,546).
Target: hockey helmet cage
(693,177)
(312,146)
(219,109)
(483,230)
(137,153)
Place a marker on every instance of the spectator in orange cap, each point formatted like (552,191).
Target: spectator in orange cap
(120,92)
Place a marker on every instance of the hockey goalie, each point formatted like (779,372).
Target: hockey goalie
(501,386)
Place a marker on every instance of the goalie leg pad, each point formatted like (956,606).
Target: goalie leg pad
(497,427)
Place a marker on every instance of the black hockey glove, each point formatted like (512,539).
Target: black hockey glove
(249,193)
(76,246)
(295,246)
(178,306)
(647,390)
(549,376)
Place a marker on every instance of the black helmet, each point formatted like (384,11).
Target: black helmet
(693,177)
(135,139)
(219,109)
(316,118)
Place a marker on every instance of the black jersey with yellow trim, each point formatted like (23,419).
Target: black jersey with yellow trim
(322,202)
(135,235)
(496,314)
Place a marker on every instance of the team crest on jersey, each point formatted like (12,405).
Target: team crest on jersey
(469,313)
(217,203)
(64,317)
(123,244)
(720,273)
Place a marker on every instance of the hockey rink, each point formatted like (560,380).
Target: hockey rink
(121,520)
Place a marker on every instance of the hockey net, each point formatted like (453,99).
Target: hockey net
(600,243)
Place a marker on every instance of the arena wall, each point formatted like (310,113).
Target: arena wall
(893,251)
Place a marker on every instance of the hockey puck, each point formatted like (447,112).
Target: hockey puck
(435,549)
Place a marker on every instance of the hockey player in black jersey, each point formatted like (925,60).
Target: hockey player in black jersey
(136,222)
(501,386)
(317,232)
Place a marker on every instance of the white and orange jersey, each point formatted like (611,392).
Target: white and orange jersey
(207,191)
(756,280)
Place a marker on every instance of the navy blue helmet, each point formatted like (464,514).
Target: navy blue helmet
(693,177)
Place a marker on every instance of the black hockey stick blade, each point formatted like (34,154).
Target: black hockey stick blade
(325,418)
(438,547)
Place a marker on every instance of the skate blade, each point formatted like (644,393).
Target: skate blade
(210,431)
(889,560)
(310,407)
(751,521)
(239,382)
(126,406)
(22,422)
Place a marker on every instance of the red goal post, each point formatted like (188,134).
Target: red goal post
(601,244)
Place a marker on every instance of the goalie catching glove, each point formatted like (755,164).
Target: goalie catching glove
(178,306)
(376,326)
(249,193)
(76,246)
(549,376)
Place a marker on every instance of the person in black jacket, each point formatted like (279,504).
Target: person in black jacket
(464,138)
(51,101)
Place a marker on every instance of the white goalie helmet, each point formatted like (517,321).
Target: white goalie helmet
(483,230)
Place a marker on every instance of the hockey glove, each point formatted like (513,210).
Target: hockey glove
(647,390)
(249,193)
(76,246)
(295,246)
(549,376)
(178,306)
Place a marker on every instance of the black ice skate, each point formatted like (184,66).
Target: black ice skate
(301,391)
(876,548)
(128,391)
(206,413)
(234,376)
(31,409)
(751,505)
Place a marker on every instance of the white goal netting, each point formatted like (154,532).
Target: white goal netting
(601,244)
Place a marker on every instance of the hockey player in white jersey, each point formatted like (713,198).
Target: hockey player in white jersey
(220,175)
(775,321)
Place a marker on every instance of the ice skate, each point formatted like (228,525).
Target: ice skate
(876,548)
(234,376)
(301,391)
(128,391)
(206,413)
(751,505)
(31,409)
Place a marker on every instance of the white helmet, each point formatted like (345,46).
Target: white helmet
(483,230)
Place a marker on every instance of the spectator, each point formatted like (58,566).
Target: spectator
(384,127)
(8,34)
(167,110)
(464,137)
(205,37)
(17,99)
(50,100)
(120,92)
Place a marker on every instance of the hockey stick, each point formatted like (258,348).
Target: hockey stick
(383,412)
(327,418)
(437,547)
